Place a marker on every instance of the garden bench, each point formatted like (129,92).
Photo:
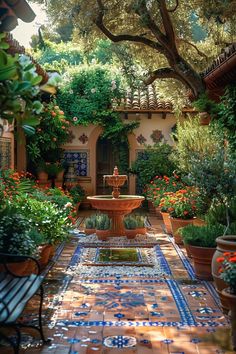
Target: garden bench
(15,292)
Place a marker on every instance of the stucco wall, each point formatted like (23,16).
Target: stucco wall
(84,139)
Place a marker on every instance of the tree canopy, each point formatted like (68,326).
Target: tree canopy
(172,39)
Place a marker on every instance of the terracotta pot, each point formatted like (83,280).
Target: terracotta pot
(202,258)
(141,231)
(89,231)
(188,250)
(45,252)
(52,252)
(204,118)
(176,224)
(158,212)
(231,301)
(167,223)
(42,177)
(130,233)
(18,268)
(151,207)
(77,207)
(224,244)
(102,235)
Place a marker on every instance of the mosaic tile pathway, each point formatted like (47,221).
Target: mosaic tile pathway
(140,308)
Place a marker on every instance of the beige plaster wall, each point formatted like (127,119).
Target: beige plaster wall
(9,136)
(92,132)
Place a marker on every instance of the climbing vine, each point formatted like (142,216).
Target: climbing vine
(88,96)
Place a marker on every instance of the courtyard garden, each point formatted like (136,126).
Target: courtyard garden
(118,179)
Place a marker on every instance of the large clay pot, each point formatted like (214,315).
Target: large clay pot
(141,231)
(231,304)
(202,258)
(167,223)
(224,244)
(44,251)
(102,235)
(89,231)
(18,268)
(176,224)
(130,233)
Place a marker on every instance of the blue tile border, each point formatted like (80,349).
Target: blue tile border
(181,303)
(179,324)
(162,259)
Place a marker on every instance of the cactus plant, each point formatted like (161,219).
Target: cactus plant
(130,222)
(90,223)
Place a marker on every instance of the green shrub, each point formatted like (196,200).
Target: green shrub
(16,236)
(154,160)
(201,236)
(46,218)
(77,193)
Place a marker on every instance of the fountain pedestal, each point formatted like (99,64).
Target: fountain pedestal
(116,206)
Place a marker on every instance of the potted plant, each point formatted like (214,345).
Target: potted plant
(77,193)
(16,238)
(165,205)
(90,225)
(206,107)
(130,224)
(103,226)
(185,204)
(227,273)
(141,228)
(201,241)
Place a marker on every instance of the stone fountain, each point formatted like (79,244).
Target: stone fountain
(116,205)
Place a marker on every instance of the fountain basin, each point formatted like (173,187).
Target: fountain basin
(116,208)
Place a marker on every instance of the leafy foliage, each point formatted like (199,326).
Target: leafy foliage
(87,94)
(226,117)
(19,89)
(201,236)
(155,160)
(52,132)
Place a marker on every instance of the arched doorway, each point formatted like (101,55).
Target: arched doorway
(107,158)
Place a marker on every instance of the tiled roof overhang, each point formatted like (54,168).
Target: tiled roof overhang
(11,10)
(221,73)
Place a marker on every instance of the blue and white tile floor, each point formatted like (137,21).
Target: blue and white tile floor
(162,309)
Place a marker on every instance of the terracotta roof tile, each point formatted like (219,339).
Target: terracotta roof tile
(11,10)
(224,56)
(145,99)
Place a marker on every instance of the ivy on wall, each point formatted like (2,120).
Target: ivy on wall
(87,96)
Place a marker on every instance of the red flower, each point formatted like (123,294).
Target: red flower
(232,259)
(220,259)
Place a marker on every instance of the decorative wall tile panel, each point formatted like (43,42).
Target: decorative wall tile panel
(78,162)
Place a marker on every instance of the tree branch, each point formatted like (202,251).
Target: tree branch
(164,73)
(123,37)
(194,46)
(174,8)
(170,33)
